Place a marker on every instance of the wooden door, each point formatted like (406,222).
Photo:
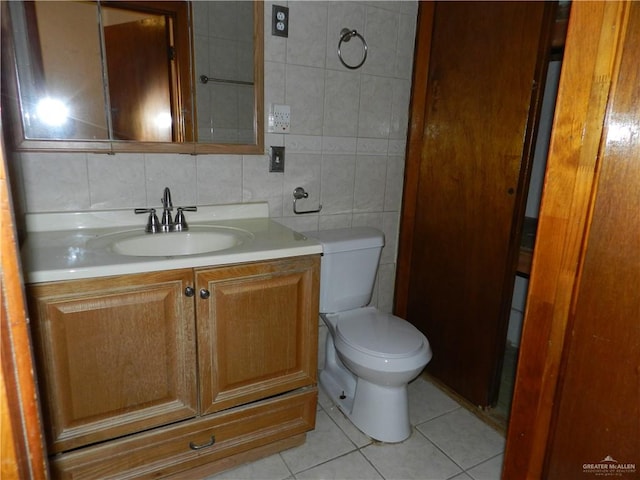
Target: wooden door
(115,355)
(138,62)
(597,418)
(257,330)
(577,397)
(477,85)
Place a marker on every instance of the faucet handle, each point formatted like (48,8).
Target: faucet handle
(180,223)
(167,221)
(153,224)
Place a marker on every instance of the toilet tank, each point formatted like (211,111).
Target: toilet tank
(348,267)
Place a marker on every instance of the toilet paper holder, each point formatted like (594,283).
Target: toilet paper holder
(299,193)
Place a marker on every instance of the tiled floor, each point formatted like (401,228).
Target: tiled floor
(448,442)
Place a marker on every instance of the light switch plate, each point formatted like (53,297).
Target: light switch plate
(279,119)
(276,163)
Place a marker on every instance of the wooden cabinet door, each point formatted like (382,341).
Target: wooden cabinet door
(115,355)
(257,330)
(464,199)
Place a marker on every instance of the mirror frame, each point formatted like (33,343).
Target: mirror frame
(15,128)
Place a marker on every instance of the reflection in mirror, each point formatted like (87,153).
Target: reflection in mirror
(142,74)
(126,72)
(60,70)
(61,75)
(223,50)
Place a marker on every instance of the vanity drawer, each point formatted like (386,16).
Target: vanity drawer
(165,451)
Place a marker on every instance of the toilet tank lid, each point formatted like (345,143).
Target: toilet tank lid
(346,239)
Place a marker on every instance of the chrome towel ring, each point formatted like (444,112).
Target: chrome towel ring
(345,35)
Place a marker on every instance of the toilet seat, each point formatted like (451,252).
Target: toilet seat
(378,334)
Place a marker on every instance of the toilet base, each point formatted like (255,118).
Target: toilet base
(380,412)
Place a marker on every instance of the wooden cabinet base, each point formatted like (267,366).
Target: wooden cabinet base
(228,463)
(207,444)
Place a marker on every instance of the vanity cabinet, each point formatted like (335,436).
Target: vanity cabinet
(155,373)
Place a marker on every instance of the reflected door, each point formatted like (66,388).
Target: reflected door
(139,65)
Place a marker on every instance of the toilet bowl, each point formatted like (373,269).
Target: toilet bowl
(370,356)
(367,370)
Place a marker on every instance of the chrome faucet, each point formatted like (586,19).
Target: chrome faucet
(167,205)
(167,224)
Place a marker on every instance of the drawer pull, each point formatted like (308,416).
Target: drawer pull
(193,446)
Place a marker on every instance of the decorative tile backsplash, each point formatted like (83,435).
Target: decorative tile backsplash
(346,146)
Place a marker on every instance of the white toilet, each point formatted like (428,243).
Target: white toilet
(370,356)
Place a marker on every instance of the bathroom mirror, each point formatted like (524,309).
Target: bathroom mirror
(137,76)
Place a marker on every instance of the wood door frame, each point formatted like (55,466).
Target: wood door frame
(591,59)
(21,435)
(418,103)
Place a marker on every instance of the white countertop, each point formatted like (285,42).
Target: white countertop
(57,246)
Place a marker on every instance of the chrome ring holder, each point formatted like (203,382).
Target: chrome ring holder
(298,194)
(347,34)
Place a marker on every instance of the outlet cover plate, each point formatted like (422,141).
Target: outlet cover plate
(279,119)
(280,21)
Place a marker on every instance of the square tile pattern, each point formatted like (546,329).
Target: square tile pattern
(447,442)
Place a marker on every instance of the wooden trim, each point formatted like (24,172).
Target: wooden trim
(414,154)
(592,45)
(21,439)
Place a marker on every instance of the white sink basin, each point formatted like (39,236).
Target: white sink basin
(195,241)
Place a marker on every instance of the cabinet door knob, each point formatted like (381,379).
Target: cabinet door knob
(204,293)
(189,291)
(193,446)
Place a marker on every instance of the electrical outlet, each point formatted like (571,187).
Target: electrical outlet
(279,119)
(280,21)
(276,163)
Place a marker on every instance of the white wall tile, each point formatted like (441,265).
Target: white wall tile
(341,103)
(386,283)
(393,187)
(328,222)
(219,179)
(304,93)
(400,109)
(371,173)
(339,145)
(372,146)
(406,40)
(55,182)
(307,40)
(381,34)
(302,144)
(115,180)
(178,172)
(260,185)
(338,177)
(299,223)
(376,97)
